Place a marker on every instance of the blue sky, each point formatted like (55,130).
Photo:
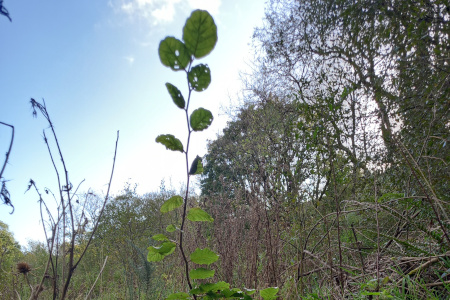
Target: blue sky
(96,65)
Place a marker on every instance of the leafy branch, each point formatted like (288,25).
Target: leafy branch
(199,39)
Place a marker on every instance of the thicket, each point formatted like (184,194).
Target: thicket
(331,180)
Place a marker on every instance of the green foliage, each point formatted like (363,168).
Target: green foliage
(158,253)
(200,37)
(201,273)
(176,95)
(196,167)
(160,237)
(178,296)
(171,228)
(201,119)
(204,256)
(199,77)
(330,181)
(173,54)
(171,204)
(197,214)
(200,33)
(10,254)
(171,142)
(269,293)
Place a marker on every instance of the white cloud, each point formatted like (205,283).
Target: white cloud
(212,6)
(162,11)
(127,7)
(165,13)
(156,11)
(130,59)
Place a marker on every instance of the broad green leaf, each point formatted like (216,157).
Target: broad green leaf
(199,77)
(204,256)
(171,142)
(174,54)
(233,293)
(214,287)
(201,119)
(171,204)
(219,286)
(200,33)
(269,293)
(165,248)
(170,228)
(153,255)
(196,167)
(176,95)
(178,296)
(160,237)
(199,215)
(201,273)
(158,253)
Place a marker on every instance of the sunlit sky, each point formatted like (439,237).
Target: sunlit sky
(96,65)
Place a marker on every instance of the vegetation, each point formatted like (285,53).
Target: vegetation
(331,181)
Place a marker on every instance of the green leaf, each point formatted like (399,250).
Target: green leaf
(204,256)
(199,77)
(158,253)
(174,54)
(170,228)
(233,293)
(160,237)
(210,287)
(201,119)
(171,204)
(171,142)
(269,293)
(201,273)
(219,286)
(196,167)
(196,291)
(200,33)
(178,296)
(197,214)
(176,95)
(249,291)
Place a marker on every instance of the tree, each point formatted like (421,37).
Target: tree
(370,81)
(124,234)
(10,254)
(389,58)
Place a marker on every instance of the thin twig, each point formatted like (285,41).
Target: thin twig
(104,204)
(98,276)
(9,150)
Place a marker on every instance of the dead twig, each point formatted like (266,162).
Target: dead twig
(98,276)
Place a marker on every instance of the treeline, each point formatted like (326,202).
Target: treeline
(331,180)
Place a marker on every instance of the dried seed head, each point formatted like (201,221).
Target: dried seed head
(23,267)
